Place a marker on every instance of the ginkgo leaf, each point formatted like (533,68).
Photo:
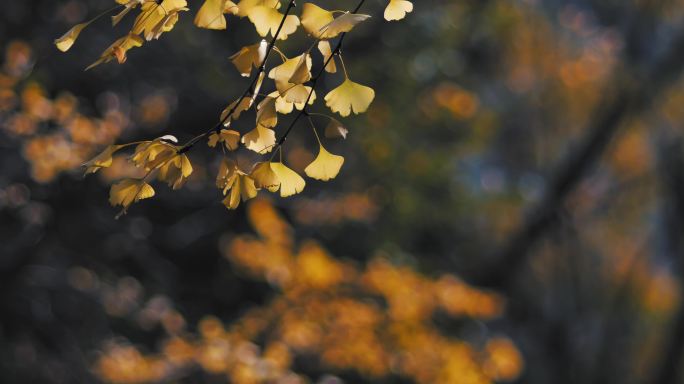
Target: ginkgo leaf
(283,106)
(267,20)
(285,71)
(129,191)
(175,171)
(151,154)
(302,72)
(397,9)
(249,56)
(118,50)
(264,176)
(210,15)
(102,160)
(241,186)
(228,137)
(342,24)
(243,189)
(335,130)
(67,40)
(267,115)
(128,6)
(260,140)
(155,19)
(326,166)
(226,175)
(350,97)
(237,109)
(314,18)
(326,50)
(290,181)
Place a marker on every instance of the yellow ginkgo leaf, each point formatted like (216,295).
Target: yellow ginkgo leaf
(210,15)
(302,72)
(228,137)
(267,115)
(284,107)
(326,166)
(175,171)
(326,50)
(237,109)
(241,186)
(290,181)
(155,19)
(264,176)
(267,20)
(118,50)
(129,191)
(128,6)
(227,172)
(335,130)
(68,39)
(243,189)
(342,24)
(397,9)
(103,160)
(260,140)
(350,97)
(314,18)
(282,74)
(249,56)
(151,154)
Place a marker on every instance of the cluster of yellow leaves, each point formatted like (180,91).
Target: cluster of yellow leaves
(375,320)
(26,110)
(294,84)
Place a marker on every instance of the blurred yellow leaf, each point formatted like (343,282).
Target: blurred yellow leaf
(397,9)
(326,166)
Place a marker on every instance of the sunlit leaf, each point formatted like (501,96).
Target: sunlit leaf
(290,181)
(67,40)
(326,50)
(264,176)
(249,56)
(342,24)
(228,137)
(314,18)
(397,9)
(102,160)
(350,97)
(260,140)
(175,171)
(210,15)
(129,191)
(326,166)
(267,115)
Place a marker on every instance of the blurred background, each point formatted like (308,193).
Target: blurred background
(511,208)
